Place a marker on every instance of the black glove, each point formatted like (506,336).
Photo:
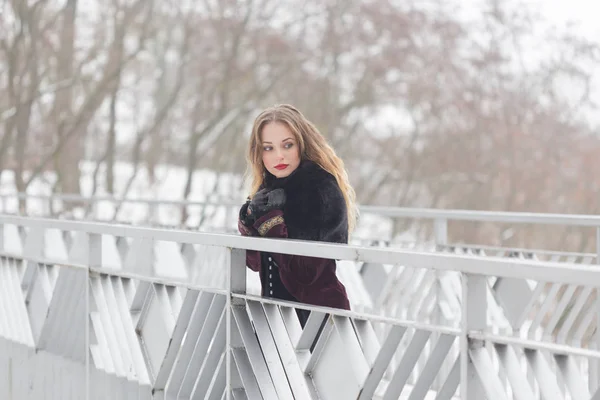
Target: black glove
(266,200)
(244,217)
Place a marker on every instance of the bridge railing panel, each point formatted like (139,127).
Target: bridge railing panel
(122,312)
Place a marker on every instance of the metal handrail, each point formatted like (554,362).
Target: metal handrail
(393,212)
(495,266)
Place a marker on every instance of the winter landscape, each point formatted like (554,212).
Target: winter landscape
(470,133)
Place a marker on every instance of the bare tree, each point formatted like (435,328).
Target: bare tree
(425,109)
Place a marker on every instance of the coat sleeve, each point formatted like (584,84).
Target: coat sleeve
(252,256)
(318,215)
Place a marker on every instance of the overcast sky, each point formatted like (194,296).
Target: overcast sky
(584,12)
(583,15)
(576,16)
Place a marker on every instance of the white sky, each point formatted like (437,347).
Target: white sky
(584,12)
(560,12)
(577,16)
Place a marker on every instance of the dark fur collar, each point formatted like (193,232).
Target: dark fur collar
(315,208)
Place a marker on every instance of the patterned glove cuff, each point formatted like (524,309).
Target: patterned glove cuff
(268,221)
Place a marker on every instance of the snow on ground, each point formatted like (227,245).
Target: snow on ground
(169,183)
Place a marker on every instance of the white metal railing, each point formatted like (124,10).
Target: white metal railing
(220,215)
(102,311)
(9,203)
(372,283)
(369,282)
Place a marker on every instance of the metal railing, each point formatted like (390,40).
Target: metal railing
(9,203)
(379,286)
(218,214)
(369,284)
(102,311)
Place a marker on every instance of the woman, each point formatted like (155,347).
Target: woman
(300,190)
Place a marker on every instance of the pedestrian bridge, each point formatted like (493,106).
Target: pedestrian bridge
(96,310)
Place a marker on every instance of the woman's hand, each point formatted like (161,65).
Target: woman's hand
(266,200)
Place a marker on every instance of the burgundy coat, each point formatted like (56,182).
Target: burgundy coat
(315,210)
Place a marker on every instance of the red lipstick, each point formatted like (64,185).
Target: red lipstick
(281,166)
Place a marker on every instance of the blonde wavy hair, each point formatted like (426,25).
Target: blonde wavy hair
(313,146)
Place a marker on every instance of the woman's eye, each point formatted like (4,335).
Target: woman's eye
(267,148)
(289,145)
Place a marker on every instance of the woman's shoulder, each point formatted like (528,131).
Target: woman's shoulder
(315,208)
(310,174)
(311,180)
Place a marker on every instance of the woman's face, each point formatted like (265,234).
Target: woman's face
(280,150)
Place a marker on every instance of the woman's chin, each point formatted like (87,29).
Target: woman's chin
(284,173)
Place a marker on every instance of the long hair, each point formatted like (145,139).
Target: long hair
(313,146)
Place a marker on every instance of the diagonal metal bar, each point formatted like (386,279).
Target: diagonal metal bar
(352,347)
(382,361)
(298,381)
(216,391)
(270,351)
(105,326)
(559,311)
(585,323)
(310,331)
(572,377)
(406,365)
(546,379)
(516,376)
(244,368)
(214,355)
(311,358)
(368,339)
(205,319)
(487,373)
(432,367)
(567,325)
(254,353)
(176,341)
(545,307)
(122,306)
(450,385)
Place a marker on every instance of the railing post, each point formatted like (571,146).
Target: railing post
(94,210)
(153,213)
(50,205)
(440,231)
(441,240)
(594,368)
(94,254)
(237,273)
(87,250)
(473,318)
(236,283)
